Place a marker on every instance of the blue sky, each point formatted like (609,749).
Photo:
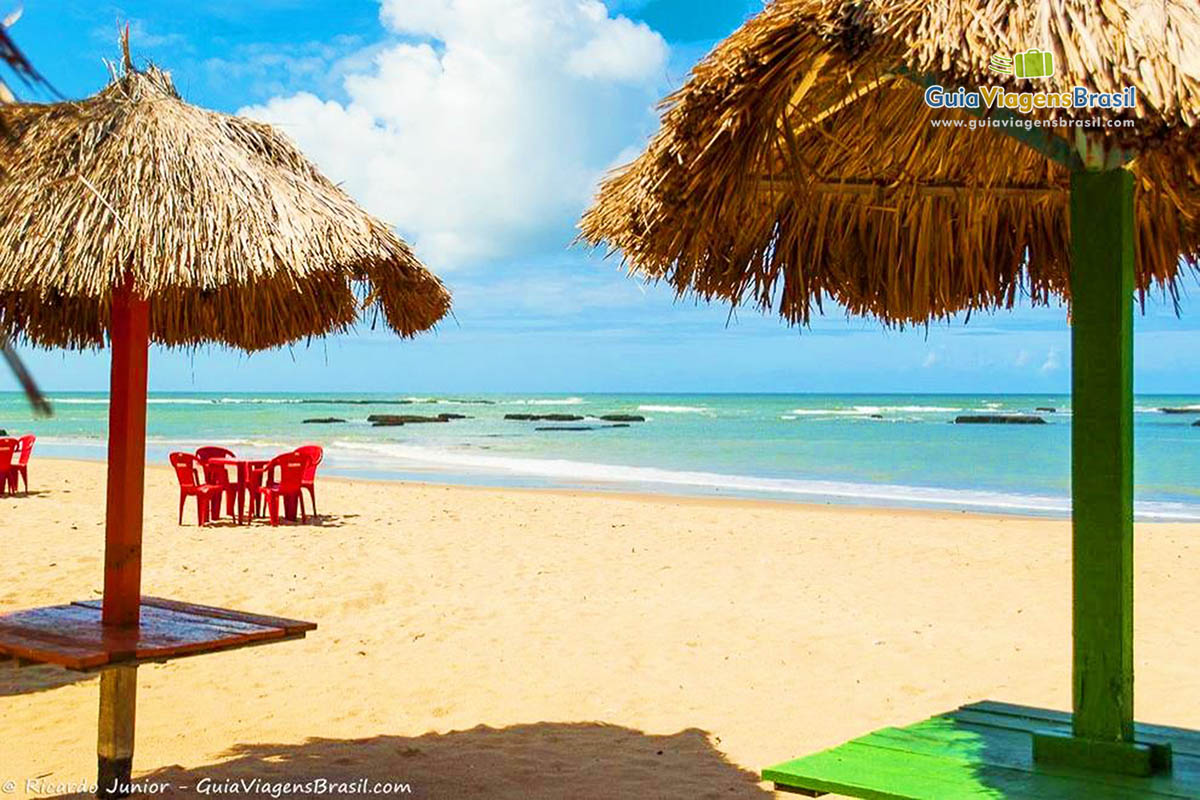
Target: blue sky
(478,129)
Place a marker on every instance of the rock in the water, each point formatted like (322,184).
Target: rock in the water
(1196,424)
(622,418)
(565,428)
(401,419)
(1047,409)
(877,416)
(358,401)
(998,419)
(323,420)
(452,416)
(544,417)
(1181,410)
(618,425)
(3,433)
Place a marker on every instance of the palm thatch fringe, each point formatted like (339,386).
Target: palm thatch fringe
(794,167)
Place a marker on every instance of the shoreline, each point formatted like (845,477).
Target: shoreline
(680,498)
(857,450)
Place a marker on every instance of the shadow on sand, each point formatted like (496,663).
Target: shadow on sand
(314,521)
(32,494)
(38,678)
(542,761)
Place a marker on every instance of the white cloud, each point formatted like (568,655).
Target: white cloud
(1053,361)
(931,358)
(484,132)
(621,51)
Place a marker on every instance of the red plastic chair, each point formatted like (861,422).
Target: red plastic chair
(20,469)
(291,468)
(314,454)
(185,470)
(8,447)
(217,475)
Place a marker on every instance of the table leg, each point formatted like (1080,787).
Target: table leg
(114,751)
(243,485)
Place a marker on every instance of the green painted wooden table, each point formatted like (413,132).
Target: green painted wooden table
(982,750)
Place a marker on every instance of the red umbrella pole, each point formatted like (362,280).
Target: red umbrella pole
(130,329)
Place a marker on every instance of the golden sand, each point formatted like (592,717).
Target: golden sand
(506,643)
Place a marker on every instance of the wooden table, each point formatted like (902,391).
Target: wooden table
(243,467)
(72,635)
(983,750)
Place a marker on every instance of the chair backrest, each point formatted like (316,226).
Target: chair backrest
(7,448)
(213,451)
(25,447)
(185,468)
(291,471)
(215,473)
(314,454)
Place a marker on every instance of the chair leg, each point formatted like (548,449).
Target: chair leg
(303,516)
(182,500)
(312,492)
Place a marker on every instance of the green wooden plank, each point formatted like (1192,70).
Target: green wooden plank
(861,769)
(873,773)
(1122,758)
(1012,748)
(1102,452)
(1149,734)
(991,712)
(1000,707)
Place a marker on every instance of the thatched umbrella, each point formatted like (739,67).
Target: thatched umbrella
(132,217)
(12,56)
(802,162)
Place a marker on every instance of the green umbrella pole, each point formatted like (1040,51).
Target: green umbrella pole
(1102,253)
(1102,452)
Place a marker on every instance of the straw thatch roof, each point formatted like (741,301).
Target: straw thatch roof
(799,160)
(234,236)
(16,61)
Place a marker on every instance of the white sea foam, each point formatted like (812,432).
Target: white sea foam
(865,411)
(675,409)
(549,401)
(383,456)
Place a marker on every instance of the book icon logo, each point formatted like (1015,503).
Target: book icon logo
(1030,64)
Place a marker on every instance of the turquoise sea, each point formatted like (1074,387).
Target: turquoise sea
(885,450)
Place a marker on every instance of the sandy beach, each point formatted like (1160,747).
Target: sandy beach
(548,644)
